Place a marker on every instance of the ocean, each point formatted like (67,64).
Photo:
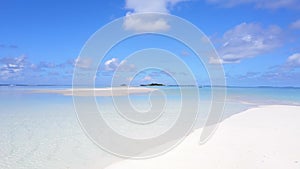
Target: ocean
(41,130)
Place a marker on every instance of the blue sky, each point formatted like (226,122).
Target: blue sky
(257,40)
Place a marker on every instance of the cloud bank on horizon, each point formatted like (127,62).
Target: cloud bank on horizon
(256,47)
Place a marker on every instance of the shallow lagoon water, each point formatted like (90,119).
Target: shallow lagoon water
(42,130)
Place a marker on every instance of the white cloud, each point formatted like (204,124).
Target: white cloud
(296,24)
(12,67)
(126,67)
(21,69)
(147,23)
(214,60)
(139,6)
(286,71)
(147,6)
(114,64)
(269,4)
(248,40)
(294,60)
(111,64)
(147,78)
(84,62)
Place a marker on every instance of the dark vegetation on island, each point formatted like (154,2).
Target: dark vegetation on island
(153,84)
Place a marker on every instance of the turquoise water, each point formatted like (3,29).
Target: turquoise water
(42,130)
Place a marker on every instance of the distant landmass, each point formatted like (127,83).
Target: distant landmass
(153,84)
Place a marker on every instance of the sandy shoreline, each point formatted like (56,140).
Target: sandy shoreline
(263,137)
(114,91)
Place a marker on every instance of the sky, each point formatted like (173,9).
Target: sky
(257,40)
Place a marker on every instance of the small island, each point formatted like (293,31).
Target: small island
(153,84)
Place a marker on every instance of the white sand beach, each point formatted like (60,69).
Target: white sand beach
(266,137)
